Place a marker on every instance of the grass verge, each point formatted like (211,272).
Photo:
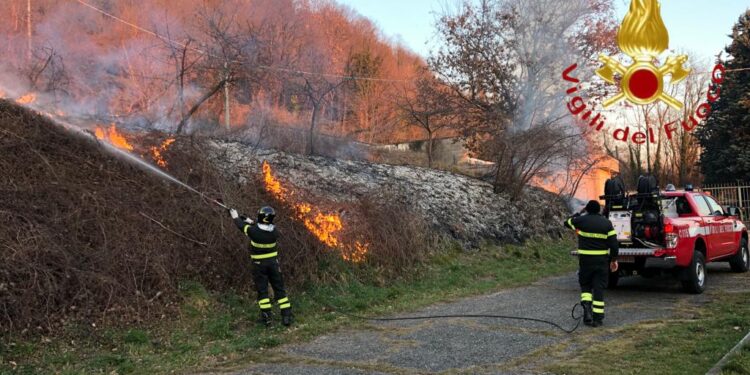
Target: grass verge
(739,363)
(219,330)
(677,346)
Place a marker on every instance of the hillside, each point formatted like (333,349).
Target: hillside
(463,208)
(79,236)
(86,235)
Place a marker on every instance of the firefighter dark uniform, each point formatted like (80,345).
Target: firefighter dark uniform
(597,247)
(264,256)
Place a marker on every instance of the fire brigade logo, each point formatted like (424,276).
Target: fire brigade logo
(643,36)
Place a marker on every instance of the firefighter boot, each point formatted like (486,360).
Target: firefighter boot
(598,320)
(286,317)
(588,314)
(265,318)
(598,309)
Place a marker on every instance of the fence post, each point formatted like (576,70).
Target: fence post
(739,195)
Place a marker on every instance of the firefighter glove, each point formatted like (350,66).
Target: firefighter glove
(233,213)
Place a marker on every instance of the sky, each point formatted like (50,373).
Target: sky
(699,26)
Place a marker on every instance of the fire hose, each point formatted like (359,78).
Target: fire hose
(573,316)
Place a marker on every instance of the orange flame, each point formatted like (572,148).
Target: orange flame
(113,137)
(2,94)
(27,99)
(156,152)
(357,254)
(325,227)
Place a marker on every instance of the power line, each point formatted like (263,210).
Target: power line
(264,67)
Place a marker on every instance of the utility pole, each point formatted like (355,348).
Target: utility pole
(28,29)
(226,95)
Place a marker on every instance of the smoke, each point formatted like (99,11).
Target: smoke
(543,32)
(111,71)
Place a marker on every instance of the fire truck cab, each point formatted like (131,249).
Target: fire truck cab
(678,232)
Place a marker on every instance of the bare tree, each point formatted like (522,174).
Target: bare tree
(502,59)
(46,71)
(317,90)
(428,108)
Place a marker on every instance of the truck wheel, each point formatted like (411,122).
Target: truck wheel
(694,280)
(740,262)
(614,278)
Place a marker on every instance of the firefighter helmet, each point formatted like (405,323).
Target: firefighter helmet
(593,207)
(266,215)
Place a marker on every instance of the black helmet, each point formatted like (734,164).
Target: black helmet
(266,215)
(593,207)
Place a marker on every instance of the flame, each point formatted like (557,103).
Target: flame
(156,152)
(643,35)
(113,137)
(273,185)
(2,94)
(357,254)
(27,99)
(325,227)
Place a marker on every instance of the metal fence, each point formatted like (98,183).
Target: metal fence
(731,194)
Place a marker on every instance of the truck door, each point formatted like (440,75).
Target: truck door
(707,227)
(724,227)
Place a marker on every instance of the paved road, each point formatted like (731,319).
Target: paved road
(487,345)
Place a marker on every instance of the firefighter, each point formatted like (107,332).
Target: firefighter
(597,255)
(264,255)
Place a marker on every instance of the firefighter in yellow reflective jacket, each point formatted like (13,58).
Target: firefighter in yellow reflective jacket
(264,255)
(597,255)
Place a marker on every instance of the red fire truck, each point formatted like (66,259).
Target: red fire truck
(673,231)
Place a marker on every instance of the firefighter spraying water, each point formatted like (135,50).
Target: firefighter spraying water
(266,269)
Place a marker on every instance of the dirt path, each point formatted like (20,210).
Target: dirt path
(487,345)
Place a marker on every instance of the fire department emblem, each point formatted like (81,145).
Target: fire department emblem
(643,36)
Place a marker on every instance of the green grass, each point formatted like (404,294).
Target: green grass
(675,346)
(739,363)
(219,330)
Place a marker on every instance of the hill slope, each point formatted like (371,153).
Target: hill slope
(77,235)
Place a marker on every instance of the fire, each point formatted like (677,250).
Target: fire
(325,227)
(113,137)
(2,94)
(274,186)
(357,254)
(27,99)
(156,152)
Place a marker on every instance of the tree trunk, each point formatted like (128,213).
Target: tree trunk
(429,148)
(28,29)
(311,136)
(227,120)
(198,104)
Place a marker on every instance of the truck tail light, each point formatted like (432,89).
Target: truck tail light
(670,236)
(671,240)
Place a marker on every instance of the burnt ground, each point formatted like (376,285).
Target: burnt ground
(493,346)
